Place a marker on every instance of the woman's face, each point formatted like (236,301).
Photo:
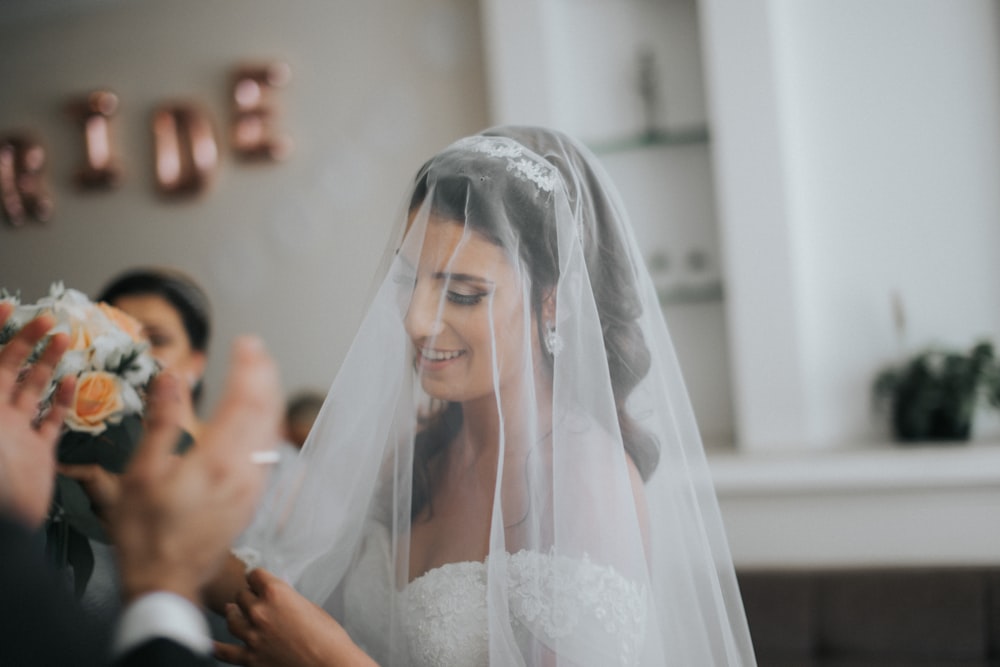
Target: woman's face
(460,279)
(168,340)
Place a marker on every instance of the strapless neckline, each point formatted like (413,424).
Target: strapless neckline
(455,566)
(570,605)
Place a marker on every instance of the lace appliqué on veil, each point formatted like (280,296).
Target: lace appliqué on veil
(542,174)
(571,605)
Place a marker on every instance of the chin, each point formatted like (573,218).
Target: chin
(443,390)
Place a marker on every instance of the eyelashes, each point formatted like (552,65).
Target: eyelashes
(465,299)
(408,281)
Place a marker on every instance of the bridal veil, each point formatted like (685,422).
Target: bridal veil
(516,321)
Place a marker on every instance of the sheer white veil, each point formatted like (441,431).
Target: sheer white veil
(512,404)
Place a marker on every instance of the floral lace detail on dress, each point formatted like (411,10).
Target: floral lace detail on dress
(539,172)
(445,616)
(586,594)
(573,606)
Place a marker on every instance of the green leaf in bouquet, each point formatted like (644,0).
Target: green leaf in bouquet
(112,449)
(73,520)
(72,555)
(7,332)
(77,510)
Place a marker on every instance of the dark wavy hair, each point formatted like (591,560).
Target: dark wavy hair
(176,288)
(475,190)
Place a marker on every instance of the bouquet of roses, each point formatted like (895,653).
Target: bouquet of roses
(110,358)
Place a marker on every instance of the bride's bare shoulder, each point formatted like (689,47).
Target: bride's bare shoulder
(596,453)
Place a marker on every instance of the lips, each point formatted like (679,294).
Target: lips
(430,360)
(440,355)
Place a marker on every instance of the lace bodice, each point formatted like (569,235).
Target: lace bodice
(572,607)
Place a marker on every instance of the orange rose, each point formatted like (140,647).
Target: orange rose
(96,401)
(124,321)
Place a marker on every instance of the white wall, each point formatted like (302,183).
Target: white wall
(287,251)
(857,152)
(893,145)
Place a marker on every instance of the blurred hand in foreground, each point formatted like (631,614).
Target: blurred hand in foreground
(173,518)
(27,444)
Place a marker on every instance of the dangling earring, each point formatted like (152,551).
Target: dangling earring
(553,341)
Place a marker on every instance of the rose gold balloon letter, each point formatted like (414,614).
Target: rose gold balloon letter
(254,111)
(100,170)
(23,195)
(184,149)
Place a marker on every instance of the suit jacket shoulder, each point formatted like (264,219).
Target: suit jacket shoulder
(161,652)
(43,624)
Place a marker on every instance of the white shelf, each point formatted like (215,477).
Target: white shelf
(688,136)
(877,505)
(877,466)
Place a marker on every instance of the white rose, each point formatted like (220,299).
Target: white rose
(73,362)
(131,401)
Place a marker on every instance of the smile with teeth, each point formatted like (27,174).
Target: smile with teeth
(439,355)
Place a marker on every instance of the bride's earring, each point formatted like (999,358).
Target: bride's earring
(553,341)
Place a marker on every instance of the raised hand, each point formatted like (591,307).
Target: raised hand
(175,517)
(280,627)
(27,446)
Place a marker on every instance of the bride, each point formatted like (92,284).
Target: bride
(506,470)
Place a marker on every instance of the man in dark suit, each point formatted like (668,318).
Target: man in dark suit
(172,518)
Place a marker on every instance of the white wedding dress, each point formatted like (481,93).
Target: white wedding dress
(443,613)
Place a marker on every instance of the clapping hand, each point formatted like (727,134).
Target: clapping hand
(27,444)
(174,517)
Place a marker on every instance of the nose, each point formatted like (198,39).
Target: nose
(423,317)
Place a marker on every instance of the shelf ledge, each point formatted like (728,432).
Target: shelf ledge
(680,294)
(689,136)
(873,467)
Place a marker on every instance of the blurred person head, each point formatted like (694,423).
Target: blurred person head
(175,315)
(301,411)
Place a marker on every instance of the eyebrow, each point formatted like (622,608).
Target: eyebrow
(449,276)
(462,278)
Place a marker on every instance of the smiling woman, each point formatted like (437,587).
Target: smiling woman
(506,470)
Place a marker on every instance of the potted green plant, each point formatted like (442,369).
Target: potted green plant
(933,395)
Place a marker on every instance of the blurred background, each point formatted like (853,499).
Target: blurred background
(814,182)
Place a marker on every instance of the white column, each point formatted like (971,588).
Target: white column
(517,61)
(756,226)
